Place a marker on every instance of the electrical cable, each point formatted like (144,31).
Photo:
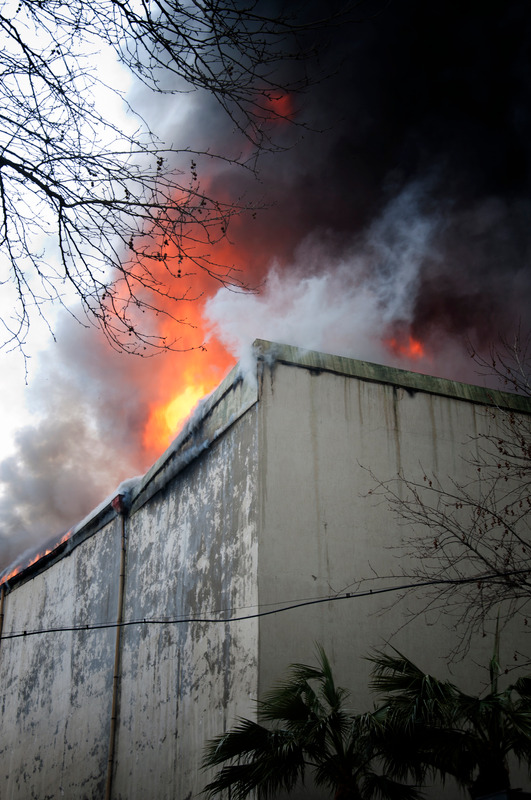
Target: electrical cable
(259,614)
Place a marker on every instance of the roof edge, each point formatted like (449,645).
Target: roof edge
(378,373)
(212,416)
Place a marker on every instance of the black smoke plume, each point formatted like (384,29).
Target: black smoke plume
(400,206)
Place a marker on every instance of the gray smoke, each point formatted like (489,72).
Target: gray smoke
(401,209)
(88,404)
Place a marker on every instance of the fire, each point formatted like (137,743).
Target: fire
(186,379)
(23,564)
(179,408)
(280,106)
(182,378)
(406,347)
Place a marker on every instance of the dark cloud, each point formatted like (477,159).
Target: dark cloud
(87,405)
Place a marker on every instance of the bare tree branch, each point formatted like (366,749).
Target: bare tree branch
(476,526)
(118,217)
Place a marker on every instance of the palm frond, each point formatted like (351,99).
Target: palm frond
(411,695)
(523,688)
(268,760)
(307,726)
(246,737)
(436,728)
(380,786)
(243,779)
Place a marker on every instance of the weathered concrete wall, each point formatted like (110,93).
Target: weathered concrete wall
(56,687)
(191,555)
(191,547)
(262,502)
(321,532)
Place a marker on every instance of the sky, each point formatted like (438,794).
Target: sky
(395,227)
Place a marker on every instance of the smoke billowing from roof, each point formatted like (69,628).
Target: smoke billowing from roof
(431,102)
(403,208)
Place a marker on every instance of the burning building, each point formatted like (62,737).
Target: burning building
(171,608)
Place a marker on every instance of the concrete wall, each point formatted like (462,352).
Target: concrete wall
(328,431)
(56,687)
(191,553)
(191,548)
(321,533)
(261,503)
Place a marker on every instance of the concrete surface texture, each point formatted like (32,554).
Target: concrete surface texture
(261,503)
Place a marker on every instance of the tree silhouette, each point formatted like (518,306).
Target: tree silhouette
(117,217)
(453,733)
(308,730)
(467,538)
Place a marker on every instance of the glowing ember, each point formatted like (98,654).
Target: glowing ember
(407,348)
(23,564)
(281,107)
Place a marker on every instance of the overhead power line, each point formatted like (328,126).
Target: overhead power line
(242,617)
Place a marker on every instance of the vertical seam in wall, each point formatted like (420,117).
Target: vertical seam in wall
(396,425)
(2,600)
(261,477)
(117,662)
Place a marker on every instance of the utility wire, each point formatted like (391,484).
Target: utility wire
(241,618)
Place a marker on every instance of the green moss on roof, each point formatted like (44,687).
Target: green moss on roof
(377,373)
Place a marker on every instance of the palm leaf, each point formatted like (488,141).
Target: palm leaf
(308,726)
(523,688)
(269,760)
(448,731)
(412,695)
(380,786)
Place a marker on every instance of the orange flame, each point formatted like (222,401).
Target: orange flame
(186,376)
(23,565)
(408,348)
(280,106)
(184,380)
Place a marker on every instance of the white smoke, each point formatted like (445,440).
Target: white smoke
(343,306)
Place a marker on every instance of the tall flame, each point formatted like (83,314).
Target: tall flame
(184,376)
(184,380)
